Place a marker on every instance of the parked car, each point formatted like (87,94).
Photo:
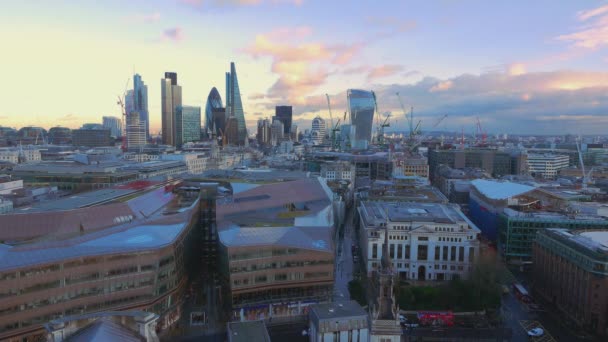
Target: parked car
(536,332)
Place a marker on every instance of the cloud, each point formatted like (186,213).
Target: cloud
(302,65)
(69,117)
(593,32)
(143,17)
(516,69)
(384,71)
(256,96)
(389,26)
(441,86)
(175,34)
(237,3)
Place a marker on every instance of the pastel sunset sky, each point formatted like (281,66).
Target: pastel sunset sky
(520,66)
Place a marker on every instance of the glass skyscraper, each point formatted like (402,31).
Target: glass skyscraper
(140,101)
(187,124)
(234,105)
(361,105)
(171,98)
(214,103)
(284,113)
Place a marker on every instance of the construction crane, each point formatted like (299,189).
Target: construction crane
(410,119)
(439,120)
(586,176)
(481,131)
(334,141)
(121,103)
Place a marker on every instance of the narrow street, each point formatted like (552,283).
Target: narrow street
(344,259)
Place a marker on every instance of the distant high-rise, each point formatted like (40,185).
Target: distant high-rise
(234,105)
(361,105)
(114,124)
(231,136)
(140,102)
(60,135)
(317,132)
(276,131)
(214,102)
(171,98)
(263,135)
(187,124)
(136,131)
(129,104)
(284,113)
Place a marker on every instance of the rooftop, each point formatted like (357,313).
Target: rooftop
(376,212)
(252,331)
(337,310)
(500,190)
(586,241)
(311,238)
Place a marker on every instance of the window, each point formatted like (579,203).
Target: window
(445,253)
(392,251)
(422,252)
(374,251)
(423,238)
(399,252)
(471,254)
(453,253)
(407,251)
(437,252)
(461,254)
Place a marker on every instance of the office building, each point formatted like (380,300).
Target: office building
(410,165)
(231,134)
(171,98)
(114,124)
(494,162)
(570,270)
(129,101)
(214,104)
(264,132)
(294,133)
(318,130)
(284,114)
(140,102)
(426,241)
(60,135)
(234,105)
(339,322)
(187,125)
(512,214)
(91,137)
(130,255)
(361,106)
(547,165)
(20,155)
(276,132)
(136,131)
(275,247)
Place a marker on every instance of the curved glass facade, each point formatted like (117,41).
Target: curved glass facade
(361,105)
(214,102)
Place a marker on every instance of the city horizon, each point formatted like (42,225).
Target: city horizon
(550,81)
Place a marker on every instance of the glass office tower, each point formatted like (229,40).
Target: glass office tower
(361,105)
(188,124)
(140,102)
(234,105)
(214,103)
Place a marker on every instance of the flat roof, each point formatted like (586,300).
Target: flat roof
(311,238)
(338,310)
(410,212)
(500,190)
(251,331)
(600,237)
(79,200)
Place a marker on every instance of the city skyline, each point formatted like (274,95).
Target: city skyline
(514,67)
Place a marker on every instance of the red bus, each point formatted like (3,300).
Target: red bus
(435,318)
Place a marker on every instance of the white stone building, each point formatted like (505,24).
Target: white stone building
(196,163)
(547,165)
(427,241)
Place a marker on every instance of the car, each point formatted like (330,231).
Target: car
(402,319)
(536,332)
